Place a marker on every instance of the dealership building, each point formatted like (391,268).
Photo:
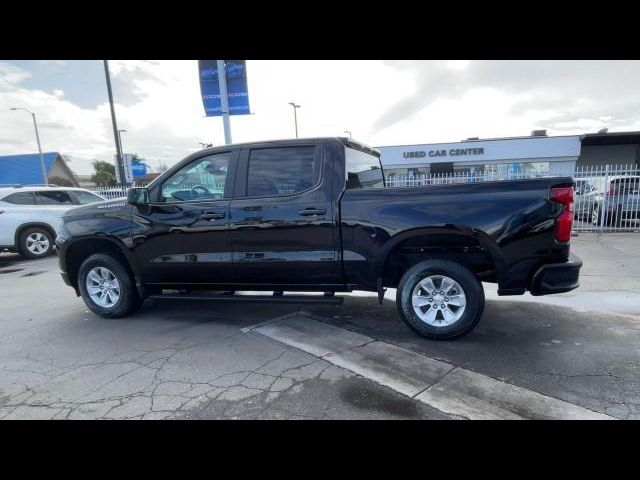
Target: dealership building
(504,158)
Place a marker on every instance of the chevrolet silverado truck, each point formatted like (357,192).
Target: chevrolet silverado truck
(314,215)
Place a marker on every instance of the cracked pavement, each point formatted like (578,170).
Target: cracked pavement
(191,360)
(175,359)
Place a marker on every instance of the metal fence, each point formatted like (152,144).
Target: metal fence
(607,198)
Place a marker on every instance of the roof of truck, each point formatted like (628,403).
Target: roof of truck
(347,141)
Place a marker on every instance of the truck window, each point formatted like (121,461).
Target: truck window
(282,171)
(363,169)
(202,179)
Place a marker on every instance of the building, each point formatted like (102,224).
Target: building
(26,169)
(617,148)
(504,158)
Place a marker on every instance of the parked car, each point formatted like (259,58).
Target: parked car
(31,216)
(305,215)
(620,201)
(586,193)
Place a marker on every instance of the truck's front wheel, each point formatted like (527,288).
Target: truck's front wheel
(440,299)
(106,287)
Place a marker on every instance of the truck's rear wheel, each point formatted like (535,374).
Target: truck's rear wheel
(106,287)
(440,299)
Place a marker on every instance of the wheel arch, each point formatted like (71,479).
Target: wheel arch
(77,251)
(49,228)
(468,246)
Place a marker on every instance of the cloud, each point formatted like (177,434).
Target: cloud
(568,92)
(381,102)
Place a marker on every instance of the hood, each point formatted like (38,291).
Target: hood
(99,208)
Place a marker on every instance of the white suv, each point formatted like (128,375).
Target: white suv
(30,216)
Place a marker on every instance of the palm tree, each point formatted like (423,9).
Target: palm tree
(105,175)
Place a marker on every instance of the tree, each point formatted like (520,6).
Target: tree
(105,175)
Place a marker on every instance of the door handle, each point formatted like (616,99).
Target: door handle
(307,212)
(212,215)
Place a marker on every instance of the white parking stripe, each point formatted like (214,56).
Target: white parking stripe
(452,390)
(379,361)
(478,397)
(311,336)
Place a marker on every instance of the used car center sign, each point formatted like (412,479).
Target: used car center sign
(481,151)
(454,152)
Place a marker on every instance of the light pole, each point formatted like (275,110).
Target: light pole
(119,158)
(347,131)
(35,125)
(120,140)
(295,116)
(124,169)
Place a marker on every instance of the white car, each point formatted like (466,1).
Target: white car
(31,216)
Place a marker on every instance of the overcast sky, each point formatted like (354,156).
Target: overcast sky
(381,102)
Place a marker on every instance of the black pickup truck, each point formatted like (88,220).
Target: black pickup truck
(313,215)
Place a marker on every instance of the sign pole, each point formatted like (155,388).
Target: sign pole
(119,159)
(224,101)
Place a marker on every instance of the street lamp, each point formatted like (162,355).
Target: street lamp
(295,116)
(120,140)
(124,179)
(35,125)
(347,131)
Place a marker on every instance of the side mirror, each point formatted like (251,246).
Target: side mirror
(138,196)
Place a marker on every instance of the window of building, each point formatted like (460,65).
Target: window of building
(282,171)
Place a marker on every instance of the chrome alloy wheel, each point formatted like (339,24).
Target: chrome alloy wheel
(438,300)
(103,287)
(37,243)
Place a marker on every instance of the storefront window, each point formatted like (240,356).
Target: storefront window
(512,171)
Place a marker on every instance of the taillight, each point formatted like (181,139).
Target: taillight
(564,221)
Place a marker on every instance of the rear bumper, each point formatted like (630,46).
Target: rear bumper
(557,277)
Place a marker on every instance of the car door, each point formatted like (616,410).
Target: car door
(182,236)
(282,222)
(16,209)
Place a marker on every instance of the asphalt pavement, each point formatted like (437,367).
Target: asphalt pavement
(573,355)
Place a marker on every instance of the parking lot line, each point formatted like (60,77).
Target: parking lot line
(478,397)
(448,388)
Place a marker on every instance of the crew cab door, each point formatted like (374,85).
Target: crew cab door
(282,223)
(182,236)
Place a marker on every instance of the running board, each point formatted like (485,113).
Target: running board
(275,298)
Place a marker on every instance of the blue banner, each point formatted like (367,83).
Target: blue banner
(236,74)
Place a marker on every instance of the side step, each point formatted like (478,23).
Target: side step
(277,297)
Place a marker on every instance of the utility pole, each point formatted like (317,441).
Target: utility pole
(119,159)
(347,131)
(224,101)
(295,116)
(45,178)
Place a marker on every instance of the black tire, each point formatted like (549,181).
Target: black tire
(129,300)
(25,240)
(473,291)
